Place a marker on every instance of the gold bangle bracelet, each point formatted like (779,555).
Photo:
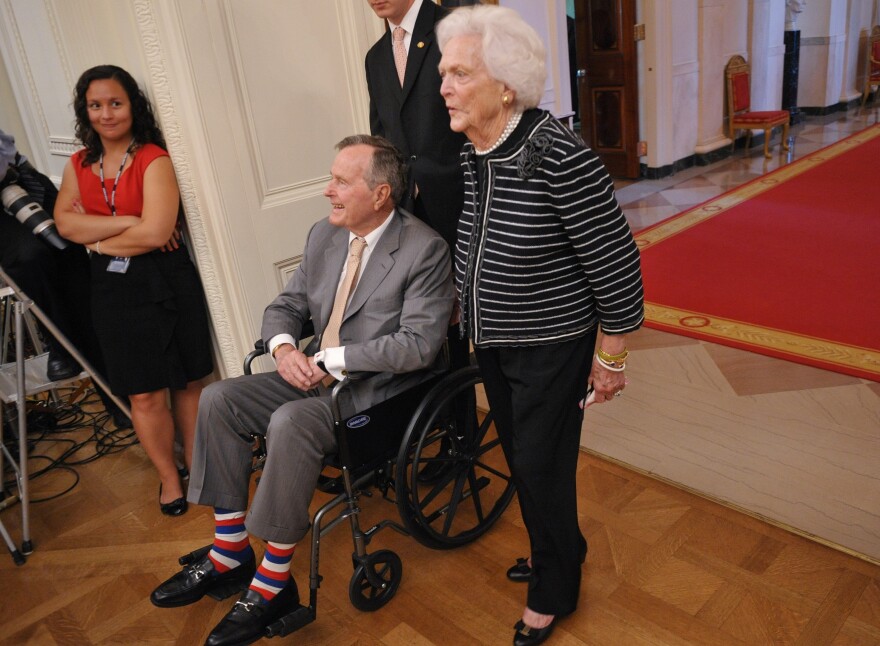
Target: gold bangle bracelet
(613,358)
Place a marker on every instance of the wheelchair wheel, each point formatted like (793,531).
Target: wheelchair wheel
(375,581)
(451,481)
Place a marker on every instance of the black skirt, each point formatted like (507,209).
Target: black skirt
(151,322)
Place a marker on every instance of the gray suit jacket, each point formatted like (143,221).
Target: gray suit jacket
(397,319)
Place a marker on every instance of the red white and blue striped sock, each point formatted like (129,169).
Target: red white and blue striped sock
(274,572)
(231,545)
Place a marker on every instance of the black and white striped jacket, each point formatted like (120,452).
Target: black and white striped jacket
(544,252)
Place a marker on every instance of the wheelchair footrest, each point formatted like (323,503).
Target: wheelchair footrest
(287,624)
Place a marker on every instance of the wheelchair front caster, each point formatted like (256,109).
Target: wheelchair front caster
(375,581)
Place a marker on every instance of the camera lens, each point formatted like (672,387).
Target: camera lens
(29,212)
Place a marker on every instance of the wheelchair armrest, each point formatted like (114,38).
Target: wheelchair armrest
(259,350)
(360,376)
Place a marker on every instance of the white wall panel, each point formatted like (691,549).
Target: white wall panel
(286,67)
(261,92)
(46,45)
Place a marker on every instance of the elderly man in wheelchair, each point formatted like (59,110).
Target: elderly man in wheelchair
(376,283)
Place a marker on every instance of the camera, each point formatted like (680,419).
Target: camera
(28,211)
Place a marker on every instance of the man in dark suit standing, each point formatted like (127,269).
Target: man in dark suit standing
(413,115)
(377,283)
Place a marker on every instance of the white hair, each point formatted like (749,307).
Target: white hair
(512,51)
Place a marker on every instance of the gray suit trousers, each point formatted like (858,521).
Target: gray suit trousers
(298,427)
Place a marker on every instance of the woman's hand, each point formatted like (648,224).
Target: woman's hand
(172,243)
(75,223)
(606,383)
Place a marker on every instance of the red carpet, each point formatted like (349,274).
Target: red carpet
(787,265)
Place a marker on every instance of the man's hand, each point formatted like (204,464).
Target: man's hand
(296,368)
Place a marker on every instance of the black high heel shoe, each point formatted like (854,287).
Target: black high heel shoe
(176,507)
(521,572)
(528,636)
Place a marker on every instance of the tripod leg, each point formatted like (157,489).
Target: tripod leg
(23,480)
(16,555)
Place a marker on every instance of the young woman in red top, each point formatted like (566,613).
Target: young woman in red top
(119,197)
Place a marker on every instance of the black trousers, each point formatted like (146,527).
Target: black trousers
(534,394)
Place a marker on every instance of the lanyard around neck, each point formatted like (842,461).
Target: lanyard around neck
(111,200)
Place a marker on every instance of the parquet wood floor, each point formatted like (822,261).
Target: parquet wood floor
(664,567)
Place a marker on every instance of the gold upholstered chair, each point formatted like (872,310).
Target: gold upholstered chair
(739,107)
(872,71)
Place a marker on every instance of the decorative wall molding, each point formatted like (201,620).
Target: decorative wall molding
(63,146)
(285,268)
(353,39)
(146,15)
(294,192)
(23,83)
(63,58)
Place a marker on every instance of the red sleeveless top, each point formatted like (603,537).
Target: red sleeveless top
(129,191)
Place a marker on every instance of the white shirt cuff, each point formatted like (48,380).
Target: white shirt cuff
(280,339)
(334,361)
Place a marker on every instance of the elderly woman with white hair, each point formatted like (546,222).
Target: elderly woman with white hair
(545,263)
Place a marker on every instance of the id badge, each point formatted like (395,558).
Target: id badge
(119,265)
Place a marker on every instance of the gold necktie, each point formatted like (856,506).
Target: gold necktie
(330,338)
(399,52)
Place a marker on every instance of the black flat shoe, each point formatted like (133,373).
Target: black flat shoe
(120,419)
(176,507)
(251,615)
(198,579)
(528,636)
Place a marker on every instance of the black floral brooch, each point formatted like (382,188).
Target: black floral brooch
(532,154)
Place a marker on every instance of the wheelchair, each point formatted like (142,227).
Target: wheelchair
(428,449)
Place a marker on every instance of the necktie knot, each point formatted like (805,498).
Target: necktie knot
(398,34)
(357,246)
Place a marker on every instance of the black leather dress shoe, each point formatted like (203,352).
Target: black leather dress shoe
(198,578)
(60,366)
(528,636)
(251,615)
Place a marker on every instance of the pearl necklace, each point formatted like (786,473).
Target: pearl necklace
(512,123)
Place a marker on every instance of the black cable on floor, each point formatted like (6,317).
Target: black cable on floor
(52,425)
